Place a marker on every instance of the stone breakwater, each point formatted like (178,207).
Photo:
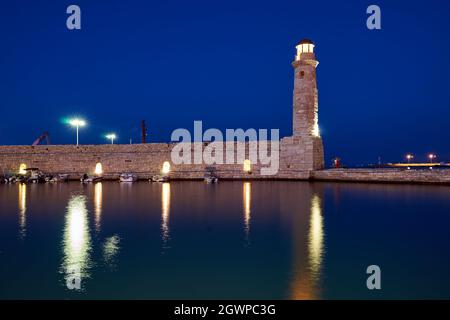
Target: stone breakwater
(425,176)
(296,162)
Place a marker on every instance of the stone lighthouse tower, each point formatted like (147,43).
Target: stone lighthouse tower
(305,146)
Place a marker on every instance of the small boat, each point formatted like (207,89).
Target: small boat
(62,177)
(88,179)
(211,179)
(21,179)
(34,175)
(159,178)
(127,177)
(10,179)
(210,175)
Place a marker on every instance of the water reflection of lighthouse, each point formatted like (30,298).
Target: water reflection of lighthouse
(304,212)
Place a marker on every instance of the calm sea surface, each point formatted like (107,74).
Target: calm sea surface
(256,240)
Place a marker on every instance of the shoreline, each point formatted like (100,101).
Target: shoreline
(374,176)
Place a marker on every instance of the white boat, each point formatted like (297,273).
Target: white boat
(57,178)
(127,177)
(211,179)
(88,179)
(159,178)
(11,179)
(211,175)
(34,175)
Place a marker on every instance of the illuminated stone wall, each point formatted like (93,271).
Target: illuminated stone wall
(145,160)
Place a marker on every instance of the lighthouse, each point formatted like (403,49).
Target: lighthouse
(304,149)
(305,117)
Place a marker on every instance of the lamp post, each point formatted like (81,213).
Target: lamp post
(111,136)
(77,123)
(409,157)
(431,156)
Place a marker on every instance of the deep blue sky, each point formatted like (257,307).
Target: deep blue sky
(381,93)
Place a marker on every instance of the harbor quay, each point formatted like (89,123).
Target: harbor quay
(147,160)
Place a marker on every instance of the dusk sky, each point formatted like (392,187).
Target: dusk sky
(381,92)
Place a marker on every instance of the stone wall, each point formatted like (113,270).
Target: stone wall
(434,176)
(146,160)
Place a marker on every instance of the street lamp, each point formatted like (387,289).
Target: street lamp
(77,123)
(431,156)
(111,136)
(409,157)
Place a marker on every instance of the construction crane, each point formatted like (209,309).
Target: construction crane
(143,131)
(43,136)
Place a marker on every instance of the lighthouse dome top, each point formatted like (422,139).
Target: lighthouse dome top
(306,41)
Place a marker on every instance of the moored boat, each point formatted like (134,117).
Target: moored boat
(210,175)
(34,175)
(62,177)
(127,177)
(88,179)
(159,178)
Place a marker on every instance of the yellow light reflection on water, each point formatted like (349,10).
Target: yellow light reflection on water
(98,197)
(76,241)
(165,204)
(247,207)
(309,251)
(22,209)
(315,237)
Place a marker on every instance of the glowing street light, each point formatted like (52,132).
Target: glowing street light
(409,157)
(77,123)
(431,156)
(111,136)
